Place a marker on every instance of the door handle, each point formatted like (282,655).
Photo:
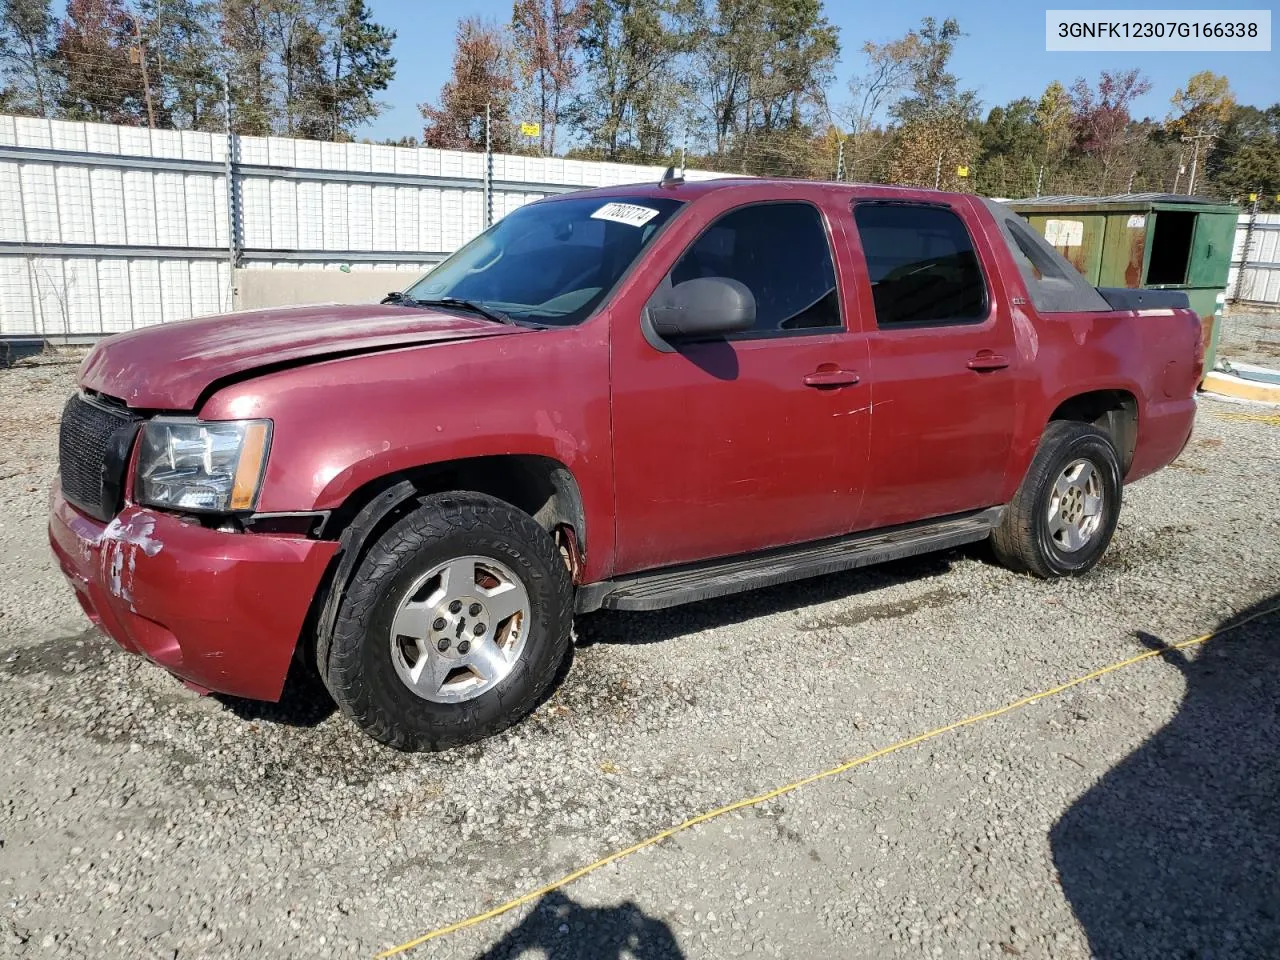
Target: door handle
(831,378)
(986,360)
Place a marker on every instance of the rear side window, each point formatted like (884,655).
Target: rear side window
(922,264)
(780,252)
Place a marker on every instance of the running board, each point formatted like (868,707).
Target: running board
(672,586)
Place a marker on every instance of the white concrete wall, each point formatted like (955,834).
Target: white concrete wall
(278,288)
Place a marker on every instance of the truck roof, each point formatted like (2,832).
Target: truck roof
(692,189)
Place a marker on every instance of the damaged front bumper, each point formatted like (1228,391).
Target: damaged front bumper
(221,611)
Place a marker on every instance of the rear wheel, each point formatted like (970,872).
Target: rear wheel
(1064,513)
(454,625)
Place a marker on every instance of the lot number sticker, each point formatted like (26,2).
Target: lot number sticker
(628,213)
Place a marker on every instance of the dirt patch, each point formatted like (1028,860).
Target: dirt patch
(66,655)
(929,600)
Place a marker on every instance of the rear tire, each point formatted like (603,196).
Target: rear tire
(1065,511)
(453,627)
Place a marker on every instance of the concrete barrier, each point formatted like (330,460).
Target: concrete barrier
(278,288)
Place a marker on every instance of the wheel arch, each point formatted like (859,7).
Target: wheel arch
(1115,411)
(540,486)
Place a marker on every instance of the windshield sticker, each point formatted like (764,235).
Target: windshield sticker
(628,213)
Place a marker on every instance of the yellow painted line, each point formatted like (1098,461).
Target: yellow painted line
(844,767)
(1273,419)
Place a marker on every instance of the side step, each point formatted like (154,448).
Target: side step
(672,586)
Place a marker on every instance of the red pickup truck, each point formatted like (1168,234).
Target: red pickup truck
(624,398)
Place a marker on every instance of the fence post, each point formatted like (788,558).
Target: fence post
(840,162)
(488,169)
(233,191)
(1248,243)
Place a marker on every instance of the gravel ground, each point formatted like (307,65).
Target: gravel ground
(1135,816)
(1250,336)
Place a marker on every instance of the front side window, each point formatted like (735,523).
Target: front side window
(922,264)
(780,252)
(551,263)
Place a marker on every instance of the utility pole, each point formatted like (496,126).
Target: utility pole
(488,168)
(1195,157)
(140,51)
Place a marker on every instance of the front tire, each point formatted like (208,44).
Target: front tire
(1065,511)
(454,625)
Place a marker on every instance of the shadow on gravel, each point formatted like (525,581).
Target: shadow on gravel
(1175,852)
(559,928)
(304,703)
(616,626)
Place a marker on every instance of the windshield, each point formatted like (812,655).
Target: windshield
(552,263)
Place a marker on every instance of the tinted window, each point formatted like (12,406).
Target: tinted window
(922,264)
(551,262)
(780,251)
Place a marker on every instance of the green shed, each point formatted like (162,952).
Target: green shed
(1158,241)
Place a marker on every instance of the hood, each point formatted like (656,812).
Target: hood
(168,367)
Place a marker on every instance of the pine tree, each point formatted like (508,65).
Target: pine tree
(27,39)
(182,59)
(355,65)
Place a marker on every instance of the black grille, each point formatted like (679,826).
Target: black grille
(93,448)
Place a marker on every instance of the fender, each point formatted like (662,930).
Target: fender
(340,425)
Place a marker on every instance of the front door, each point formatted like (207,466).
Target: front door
(943,365)
(750,441)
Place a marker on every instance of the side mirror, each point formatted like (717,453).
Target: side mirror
(702,307)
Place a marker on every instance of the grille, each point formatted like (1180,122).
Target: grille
(93,447)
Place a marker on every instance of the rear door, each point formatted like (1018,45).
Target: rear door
(942,354)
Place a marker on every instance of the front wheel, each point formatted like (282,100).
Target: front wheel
(1064,513)
(453,627)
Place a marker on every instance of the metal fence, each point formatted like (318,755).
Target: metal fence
(107,228)
(1255,261)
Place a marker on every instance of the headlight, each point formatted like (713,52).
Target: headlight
(213,466)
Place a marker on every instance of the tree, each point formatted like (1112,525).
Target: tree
(1100,118)
(1054,117)
(935,138)
(1011,146)
(545,40)
(482,76)
(886,73)
(180,45)
(294,33)
(1199,112)
(246,38)
(341,73)
(929,151)
(100,63)
(631,97)
(1203,106)
(27,39)
(1245,157)
(934,90)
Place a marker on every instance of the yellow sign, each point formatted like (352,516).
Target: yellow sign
(1253,196)
(531,129)
(962,171)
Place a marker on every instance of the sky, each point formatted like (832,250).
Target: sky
(1002,56)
